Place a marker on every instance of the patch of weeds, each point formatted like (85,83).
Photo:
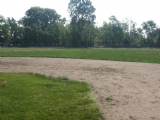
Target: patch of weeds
(49,85)
(44,76)
(109,99)
(51,77)
(91,86)
(62,78)
(96,92)
(40,75)
(101,101)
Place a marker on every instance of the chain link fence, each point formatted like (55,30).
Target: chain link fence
(127,46)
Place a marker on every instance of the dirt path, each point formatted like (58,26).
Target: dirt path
(134,87)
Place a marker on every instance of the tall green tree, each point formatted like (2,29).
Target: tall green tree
(4,31)
(82,14)
(126,31)
(149,27)
(133,32)
(14,30)
(106,33)
(117,31)
(41,24)
(140,39)
(156,34)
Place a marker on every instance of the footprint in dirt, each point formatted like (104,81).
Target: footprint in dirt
(132,118)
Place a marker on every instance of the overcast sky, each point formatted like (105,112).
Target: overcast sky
(137,10)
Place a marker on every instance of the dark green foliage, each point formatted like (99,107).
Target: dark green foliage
(45,27)
(16,31)
(42,27)
(156,33)
(109,99)
(34,96)
(82,22)
(4,32)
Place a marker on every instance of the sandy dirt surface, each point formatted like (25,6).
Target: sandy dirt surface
(134,87)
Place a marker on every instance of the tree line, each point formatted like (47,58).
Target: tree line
(45,27)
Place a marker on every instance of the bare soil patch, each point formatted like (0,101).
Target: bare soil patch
(134,87)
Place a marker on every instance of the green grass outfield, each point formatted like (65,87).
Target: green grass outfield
(28,96)
(115,54)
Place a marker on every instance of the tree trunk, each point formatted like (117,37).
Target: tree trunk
(80,39)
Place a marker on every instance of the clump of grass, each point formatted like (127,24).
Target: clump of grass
(63,78)
(51,77)
(35,96)
(40,75)
(109,99)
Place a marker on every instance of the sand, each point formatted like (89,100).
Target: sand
(133,87)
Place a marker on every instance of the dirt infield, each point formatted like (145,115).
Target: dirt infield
(134,87)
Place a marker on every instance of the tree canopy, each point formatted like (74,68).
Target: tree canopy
(82,16)
(45,27)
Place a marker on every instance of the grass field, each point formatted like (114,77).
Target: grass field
(33,96)
(133,55)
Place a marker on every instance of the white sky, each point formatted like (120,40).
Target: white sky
(137,10)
